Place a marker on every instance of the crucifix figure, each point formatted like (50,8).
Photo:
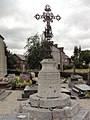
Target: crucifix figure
(48,17)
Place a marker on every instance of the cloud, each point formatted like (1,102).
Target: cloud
(17,22)
(7,8)
(86,2)
(76,28)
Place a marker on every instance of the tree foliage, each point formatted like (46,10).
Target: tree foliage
(81,58)
(77,51)
(85,56)
(11,62)
(36,50)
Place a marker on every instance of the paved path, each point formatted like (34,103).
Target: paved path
(10,103)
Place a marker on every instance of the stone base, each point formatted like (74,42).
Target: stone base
(46,115)
(67,113)
(54,110)
(49,103)
(59,102)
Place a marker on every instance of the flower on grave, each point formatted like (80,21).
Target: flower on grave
(17,78)
(87,94)
(24,83)
(30,82)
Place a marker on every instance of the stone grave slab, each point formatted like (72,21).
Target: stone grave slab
(83,87)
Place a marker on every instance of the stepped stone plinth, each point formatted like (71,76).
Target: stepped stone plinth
(49,103)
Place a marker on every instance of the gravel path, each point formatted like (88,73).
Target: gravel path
(10,103)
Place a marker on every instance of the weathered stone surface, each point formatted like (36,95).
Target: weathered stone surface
(49,80)
(72,110)
(40,114)
(11,77)
(3,58)
(4,94)
(35,101)
(58,114)
(83,114)
(25,116)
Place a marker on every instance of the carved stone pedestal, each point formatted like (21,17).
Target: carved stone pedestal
(49,103)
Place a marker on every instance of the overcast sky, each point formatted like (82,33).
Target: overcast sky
(17,23)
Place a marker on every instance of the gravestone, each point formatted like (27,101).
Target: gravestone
(11,77)
(74,80)
(29,90)
(23,69)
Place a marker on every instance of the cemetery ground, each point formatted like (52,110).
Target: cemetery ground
(10,104)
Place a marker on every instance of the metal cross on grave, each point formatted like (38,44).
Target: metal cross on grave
(47,17)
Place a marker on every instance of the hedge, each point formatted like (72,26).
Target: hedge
(68,74)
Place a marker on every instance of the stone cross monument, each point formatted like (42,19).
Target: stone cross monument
(48,85)
(49,103)
(48,17)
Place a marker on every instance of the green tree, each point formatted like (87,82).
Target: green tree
(77,51)
(85,56)
(32,53)
(36,50)
(11,62)
(76,57)
(81,58)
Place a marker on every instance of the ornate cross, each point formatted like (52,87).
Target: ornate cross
(47,17)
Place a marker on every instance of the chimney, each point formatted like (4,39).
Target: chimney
(61,49)
(55,45)
(52,42)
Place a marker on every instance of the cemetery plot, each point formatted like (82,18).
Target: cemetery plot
(82,90)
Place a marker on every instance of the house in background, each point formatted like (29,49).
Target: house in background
(67,60)
(20,61)
(60,57)
(57,52)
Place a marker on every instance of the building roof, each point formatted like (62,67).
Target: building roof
(20,56)
(59,48)
(66,56)
(2,37)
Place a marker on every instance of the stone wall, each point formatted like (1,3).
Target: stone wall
(3,58)
(59,57)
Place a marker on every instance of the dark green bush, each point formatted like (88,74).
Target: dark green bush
(67,67)
(68,74)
